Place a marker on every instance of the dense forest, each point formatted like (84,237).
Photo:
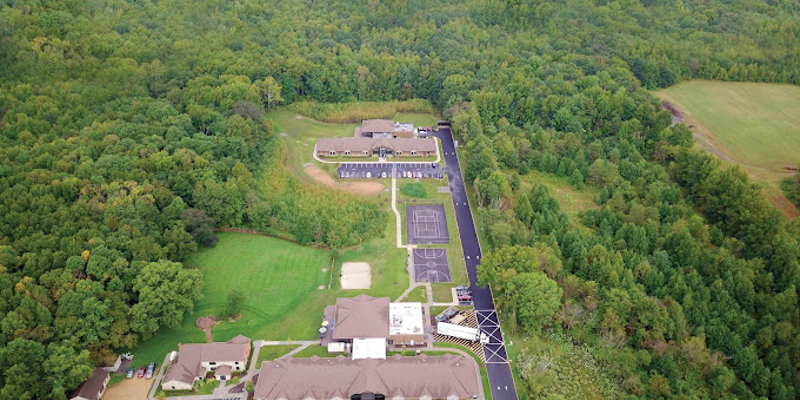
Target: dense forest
(129,130)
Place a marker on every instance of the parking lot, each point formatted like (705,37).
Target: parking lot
(384,170)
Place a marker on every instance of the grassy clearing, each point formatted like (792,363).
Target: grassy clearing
(756,125)
(572,201)
(310,351)
(414,189)
(355,112)
(256,265)
(573,373)
(418,294)
(280,280)
(273,352)
(418,119)
(300,134)
(442,292)
(455,253)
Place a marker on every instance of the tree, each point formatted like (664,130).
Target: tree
(534,299)
(166,293)
(234,303)
(270,91)
(66,367)
(200,226)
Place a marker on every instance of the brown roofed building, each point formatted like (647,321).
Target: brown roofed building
(384,128)
(439,377)
(365,147)
(361,317)
(195,360)
(94,387)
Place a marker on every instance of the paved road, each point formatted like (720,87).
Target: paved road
(497,367)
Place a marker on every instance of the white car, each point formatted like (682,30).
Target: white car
(369,174)
(383,174)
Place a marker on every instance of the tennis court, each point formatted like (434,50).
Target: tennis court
(426,224)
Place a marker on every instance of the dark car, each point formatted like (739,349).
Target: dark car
(141,372)
(451,312)
(441,318)
(130,373)
(150,370)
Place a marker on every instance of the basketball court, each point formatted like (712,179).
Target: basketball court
(426,224)
(431,265)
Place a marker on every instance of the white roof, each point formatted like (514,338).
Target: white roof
(373,348)
(403,127)
(405,319)
(336,347)
(461,332)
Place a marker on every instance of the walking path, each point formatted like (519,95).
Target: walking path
(497,367)
(397,219)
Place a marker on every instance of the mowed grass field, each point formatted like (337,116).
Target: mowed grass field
(275,276)
(756,125)
(280,281)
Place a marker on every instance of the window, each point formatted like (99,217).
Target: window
(366,153)
(413,153)
(237,363)
(212,363)
(398,152)
(331,153)
(347,152)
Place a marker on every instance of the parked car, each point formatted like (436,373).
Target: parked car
(150,370)
(441,318)
(464,297)
(130,373)
(141,372)
(450,312)
(369,174)
(383,174)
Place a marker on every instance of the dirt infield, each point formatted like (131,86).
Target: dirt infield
(353,187)
(356,275)
(205,324)
(129,389)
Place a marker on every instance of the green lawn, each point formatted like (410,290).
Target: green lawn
(418,119)
(417,295)
(756,124)
(276,276)
(442,292)
(313,350)
(273,352)
(571,201)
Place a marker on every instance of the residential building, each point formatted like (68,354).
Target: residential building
(367,147)
(384,128)
(195,360)
(449,377)
(92,388)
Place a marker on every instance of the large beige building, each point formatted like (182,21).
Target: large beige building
(451,377)
(381,147)
(384,128)
(196,360)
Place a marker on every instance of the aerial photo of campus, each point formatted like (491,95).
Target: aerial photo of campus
(399,200)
